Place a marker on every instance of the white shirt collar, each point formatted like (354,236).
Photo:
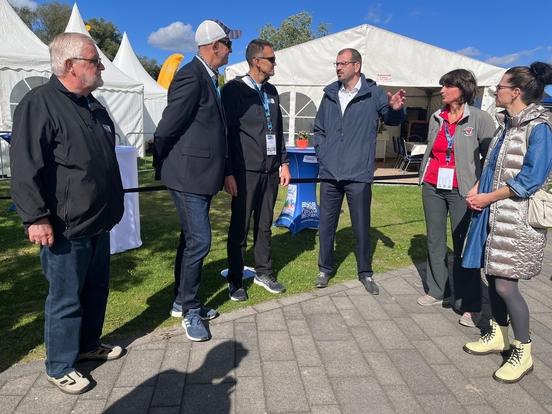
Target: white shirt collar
(354,90)
(209,70)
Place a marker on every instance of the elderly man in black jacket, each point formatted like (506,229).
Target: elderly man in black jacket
(345,132)
(259,162)
(67,189)
(191,159)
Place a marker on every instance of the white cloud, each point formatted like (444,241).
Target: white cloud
(469,51)
(377,15)
(508,60)
(177,37)
(24,3)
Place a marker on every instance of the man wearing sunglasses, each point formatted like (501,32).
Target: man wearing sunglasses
(190,157)
(67,188)
(259,163)
(345,132)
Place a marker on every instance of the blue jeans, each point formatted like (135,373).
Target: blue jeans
(194,245)
(78,275)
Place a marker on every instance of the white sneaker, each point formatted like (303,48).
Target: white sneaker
(104,352)
(71,383)
(428,300)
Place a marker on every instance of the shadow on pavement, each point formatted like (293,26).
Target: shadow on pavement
(207,389)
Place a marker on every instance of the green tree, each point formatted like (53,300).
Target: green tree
(294,30)
(151,66)
(27,15)
(51,20)
(106,34)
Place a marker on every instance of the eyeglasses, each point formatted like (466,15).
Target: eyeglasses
(226,42)
(345,63)
(95,62)
(271,59)
(499,87)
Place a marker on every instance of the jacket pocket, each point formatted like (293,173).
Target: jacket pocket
(196,152)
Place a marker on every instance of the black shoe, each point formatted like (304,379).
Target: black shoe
(270,283)
(369,284)
(322,280)
(237,293)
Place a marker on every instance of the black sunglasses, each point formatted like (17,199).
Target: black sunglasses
(271,59)
(226,42)
(95,62)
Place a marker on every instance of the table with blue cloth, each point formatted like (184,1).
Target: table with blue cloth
(300,209)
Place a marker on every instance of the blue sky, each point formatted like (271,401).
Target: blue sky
(498,32)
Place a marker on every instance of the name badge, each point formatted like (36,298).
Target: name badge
(445,178)
(270,144)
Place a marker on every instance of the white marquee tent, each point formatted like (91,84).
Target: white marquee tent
(390,59)
(155,96)
(122,96)
(24,64)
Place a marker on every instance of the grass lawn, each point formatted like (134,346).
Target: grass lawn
(142,279)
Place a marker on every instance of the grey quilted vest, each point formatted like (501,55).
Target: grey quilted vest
(514,249)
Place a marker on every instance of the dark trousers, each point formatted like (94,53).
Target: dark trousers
(359,198)
(462,285)
(193,247)
(78,275)
(257,194)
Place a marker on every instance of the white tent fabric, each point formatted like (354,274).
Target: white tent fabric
(22,55)
(155,96)
(392,60)
(24,63)
(122,96)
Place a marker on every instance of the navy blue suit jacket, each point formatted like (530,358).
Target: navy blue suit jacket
(190,140)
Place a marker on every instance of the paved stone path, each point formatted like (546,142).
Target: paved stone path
(335,350)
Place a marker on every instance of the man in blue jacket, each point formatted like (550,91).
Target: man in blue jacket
(345,132)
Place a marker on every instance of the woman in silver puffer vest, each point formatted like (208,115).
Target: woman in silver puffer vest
(499,239)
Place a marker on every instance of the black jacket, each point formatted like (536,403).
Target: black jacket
(190,140)
(63,162)
(247,127)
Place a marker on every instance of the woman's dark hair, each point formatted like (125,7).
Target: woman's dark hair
(531,80)
(464,80)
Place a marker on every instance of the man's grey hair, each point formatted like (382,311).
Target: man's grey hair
(355,54)
(66,46)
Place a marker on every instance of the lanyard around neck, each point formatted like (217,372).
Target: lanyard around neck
(450,143)
(264,100)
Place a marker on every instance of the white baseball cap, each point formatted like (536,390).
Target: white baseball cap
(210,31)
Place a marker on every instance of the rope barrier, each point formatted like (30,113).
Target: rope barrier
(377,180)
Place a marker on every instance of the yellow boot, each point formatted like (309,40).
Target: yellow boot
(493,342)
(518,364)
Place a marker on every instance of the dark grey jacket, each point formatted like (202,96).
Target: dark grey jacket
(471,143)
(346,144)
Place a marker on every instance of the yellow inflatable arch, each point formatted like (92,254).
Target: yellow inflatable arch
(169,69)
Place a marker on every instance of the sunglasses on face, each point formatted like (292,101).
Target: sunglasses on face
(226,42)
(271,59)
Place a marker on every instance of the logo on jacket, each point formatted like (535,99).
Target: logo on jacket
(107,128)
(468,131)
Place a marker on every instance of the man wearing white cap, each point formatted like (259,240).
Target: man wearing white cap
(190,158)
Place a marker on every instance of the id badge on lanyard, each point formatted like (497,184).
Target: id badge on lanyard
(270,144)
(445,178)
(270,137)
(445,175)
